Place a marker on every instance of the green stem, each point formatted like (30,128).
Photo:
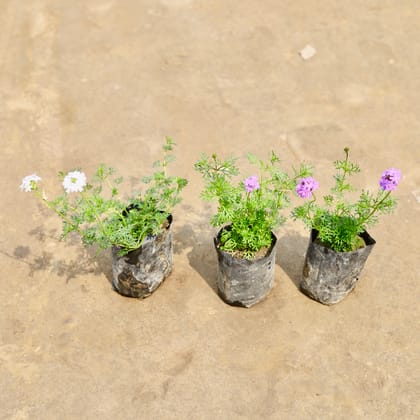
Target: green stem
(109,184)
(309,206)
(54,209)
(98,220)
(375,208)
(346,151)
(340,193)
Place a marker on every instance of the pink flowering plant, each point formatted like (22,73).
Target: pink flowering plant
(96,210)
(249,208)
(340,222)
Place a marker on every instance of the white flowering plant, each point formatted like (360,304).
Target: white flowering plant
(248,209)
(339,222)
(97,212)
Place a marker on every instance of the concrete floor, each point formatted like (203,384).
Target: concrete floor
(90,81)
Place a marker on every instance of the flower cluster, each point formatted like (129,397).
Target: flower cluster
(251,184)
(74,181)
(29,183)
(95,210)
(306,186)
(249,209)
(339,223)
(390,179)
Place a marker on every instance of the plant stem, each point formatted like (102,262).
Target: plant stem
(109,184)
(310,205)
(98,219)
(375,208)
(54,209)
(340,192)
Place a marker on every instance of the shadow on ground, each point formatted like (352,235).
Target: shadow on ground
(201,255)
(291,249)
(83,261)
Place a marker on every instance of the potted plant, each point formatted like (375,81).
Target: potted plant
(249,209)
(339,243)
(137,228)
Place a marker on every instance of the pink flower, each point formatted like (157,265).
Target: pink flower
(251,184)
(306,186)
(390,179)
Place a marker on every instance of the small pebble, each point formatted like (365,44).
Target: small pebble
(308,52)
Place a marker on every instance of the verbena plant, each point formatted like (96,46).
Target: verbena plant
(251,207)
(97,212)
(339,222)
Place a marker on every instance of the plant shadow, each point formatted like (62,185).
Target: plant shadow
(291,249)
(83,260)
(201,255)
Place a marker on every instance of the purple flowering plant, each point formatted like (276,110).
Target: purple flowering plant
(95,210)
(250,208)
(340,222)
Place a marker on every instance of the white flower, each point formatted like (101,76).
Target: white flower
(28,182)
(74,181)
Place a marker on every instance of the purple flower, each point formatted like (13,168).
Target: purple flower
(251,184)
(306,186)
(390,179)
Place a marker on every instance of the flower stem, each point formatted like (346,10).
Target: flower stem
(98,219)
(374,209)
(54,209)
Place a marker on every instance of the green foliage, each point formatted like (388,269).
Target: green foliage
(103,218)
(340,221)
(251,216)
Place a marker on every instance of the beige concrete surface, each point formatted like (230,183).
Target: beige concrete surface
(90,81)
